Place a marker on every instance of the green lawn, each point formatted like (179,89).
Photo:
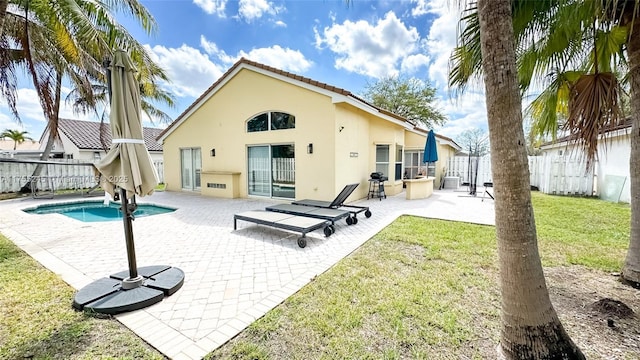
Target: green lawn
(37,321)
(426,289)
(420,289)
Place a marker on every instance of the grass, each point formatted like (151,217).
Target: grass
(419,289)
(581,231)
(426,289)
(37,321)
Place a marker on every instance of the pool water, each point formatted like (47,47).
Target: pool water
(94,211)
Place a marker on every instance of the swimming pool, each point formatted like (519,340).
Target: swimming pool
(94,211)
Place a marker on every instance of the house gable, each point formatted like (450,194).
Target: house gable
(337,95)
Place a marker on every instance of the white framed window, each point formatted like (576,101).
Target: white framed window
(398,164)
(413,165)
(382,159)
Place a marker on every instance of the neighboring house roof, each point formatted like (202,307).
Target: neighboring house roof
(616,130)
(27,145)
(339,94)
(86,134)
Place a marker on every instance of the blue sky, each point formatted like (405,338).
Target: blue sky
(327,40)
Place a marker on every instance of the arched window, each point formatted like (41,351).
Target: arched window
(271,121)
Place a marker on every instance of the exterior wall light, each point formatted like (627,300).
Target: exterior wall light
(213,152)
(310,148)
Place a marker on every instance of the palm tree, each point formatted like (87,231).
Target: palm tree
(530,326)
(68,39)
(17,136)
(630,17)
(551,38)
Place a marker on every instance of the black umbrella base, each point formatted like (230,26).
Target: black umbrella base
(118,293)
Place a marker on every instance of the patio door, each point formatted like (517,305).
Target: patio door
(271,171)
(191,165)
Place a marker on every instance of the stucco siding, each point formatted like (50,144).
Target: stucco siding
(220,124)
(352,151)
(614,160)
(386,133)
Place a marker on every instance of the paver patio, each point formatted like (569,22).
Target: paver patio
(231,277)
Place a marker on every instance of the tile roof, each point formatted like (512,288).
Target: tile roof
(86,134)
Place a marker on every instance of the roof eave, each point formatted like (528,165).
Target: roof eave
(337,95)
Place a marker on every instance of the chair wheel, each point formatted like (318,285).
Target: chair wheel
(355,220)
(367,214)
(333,229)
(327,231)
(349,220)
(302,242)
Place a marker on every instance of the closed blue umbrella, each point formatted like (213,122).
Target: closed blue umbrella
(430,149)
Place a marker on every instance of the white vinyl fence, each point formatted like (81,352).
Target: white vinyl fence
(561,175)
(67,175)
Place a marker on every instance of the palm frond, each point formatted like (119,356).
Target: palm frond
(593,110)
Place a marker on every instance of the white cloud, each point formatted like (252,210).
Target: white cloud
(190,70)
(442,40)
(31,114)
(413,62)
(250,10)
(421,8)
(212,7)
(372,50)
(193,70)
(278,57)
(466,113)
(213,50)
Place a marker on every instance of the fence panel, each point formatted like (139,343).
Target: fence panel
(465,167)
(159,165)
(561,175)
(63,176)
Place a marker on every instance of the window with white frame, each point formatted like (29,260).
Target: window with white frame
(398,167)
(413,165)
(382,159)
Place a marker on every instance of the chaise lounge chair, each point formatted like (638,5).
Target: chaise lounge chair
(332,215)
(337,203)
(301,224)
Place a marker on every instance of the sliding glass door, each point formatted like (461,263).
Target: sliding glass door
(271,171)
(191,166)
(259,171)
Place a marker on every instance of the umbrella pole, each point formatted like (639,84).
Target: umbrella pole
(133,280)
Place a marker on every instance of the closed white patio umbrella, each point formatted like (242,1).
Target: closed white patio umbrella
(125,172)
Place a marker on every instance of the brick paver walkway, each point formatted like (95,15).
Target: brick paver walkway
(231,277)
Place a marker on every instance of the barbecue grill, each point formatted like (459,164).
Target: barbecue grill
(376,185)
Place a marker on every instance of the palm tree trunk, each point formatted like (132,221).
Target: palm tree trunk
(631,269)
(3,10)
(52,126)
(530,326)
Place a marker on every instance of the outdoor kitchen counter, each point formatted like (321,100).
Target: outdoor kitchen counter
(225,184)
(419,188)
